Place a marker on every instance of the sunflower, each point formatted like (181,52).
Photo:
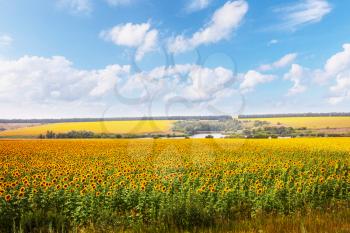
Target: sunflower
(8,197)
(259,191)
(321,180)
(21,194)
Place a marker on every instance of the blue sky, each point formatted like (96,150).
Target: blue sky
(102,58)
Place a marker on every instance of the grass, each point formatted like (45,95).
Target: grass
(311,222)
(116,127)
(309,122)
(336,221)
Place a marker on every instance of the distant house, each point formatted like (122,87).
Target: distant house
(286,137)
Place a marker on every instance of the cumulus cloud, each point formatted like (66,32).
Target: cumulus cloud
(297,75)
(253,78)
(139,36)
(223,22)
(335,74)
(339,61)
(54,83)
(39,80)
(302,13)
(196,5)
(192,82)
(283,62)
(206,84)
(341,89)
(5,40)
(76,6)
(337,67)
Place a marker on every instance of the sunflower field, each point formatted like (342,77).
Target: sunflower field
(173,182)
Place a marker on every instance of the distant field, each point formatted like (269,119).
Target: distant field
(12,126)
(309,122)
(117,127)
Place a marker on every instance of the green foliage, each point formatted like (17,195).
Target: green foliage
(90,134)
(192,127)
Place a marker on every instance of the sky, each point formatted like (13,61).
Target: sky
(116,58)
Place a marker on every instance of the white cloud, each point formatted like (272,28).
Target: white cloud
(44,80)
(223,22)
(335,74)
(206,84)
(108,78)
(139,36)
(283,62)
(339,62)
(119,2)
(5,40)
(340,91)
(336,71)
(302,13)
(192,82)
(253,78)
(54,83)
(76,6)
(335,65)
(272,42)
(297,75)
(196,5)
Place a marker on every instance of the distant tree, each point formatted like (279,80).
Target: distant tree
(209,136)
(50,134)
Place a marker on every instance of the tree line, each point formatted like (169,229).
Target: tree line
(89,134)
(294,115)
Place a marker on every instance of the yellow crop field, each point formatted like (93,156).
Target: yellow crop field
(116,127)
(309,122)
(170,183)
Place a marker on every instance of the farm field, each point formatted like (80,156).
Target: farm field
(117,185)
(116,127)
(309,122)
